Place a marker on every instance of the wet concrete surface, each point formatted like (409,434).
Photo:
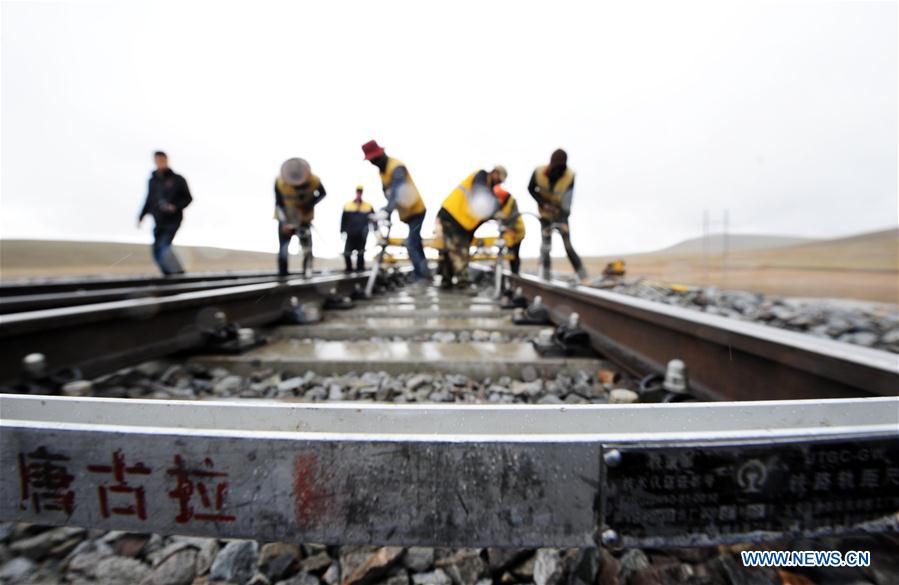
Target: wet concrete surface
(346,328)
(518,360)
(428,299)
(453,311)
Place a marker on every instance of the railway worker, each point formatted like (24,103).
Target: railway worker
(403,196)
(167,196)
(512,226)
(469,205)
(354,224)
(552,186)
(297,192)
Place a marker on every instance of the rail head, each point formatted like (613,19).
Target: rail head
(16,323)
(601,423)
(728,358)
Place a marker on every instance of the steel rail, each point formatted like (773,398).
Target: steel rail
(32,286)
(104,336)
(18,303)
(518,476)
(727,358)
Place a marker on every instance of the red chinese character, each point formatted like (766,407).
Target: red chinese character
(118,469)
(45,481)
(211,492)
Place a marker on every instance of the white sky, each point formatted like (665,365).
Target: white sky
(785,113)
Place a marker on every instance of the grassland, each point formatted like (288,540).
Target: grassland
(865,266)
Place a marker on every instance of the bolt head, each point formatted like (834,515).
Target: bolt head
(612,457)
(609,538)
(34,363)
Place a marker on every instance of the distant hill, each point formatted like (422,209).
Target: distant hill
(864,266)
(715,243)
(870,251)
(49,257)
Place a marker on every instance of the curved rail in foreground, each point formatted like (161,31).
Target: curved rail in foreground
(726,358)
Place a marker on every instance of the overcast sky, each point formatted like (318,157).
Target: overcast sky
(783,113)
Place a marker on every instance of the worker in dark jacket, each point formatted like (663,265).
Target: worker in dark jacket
(354,224)
(167,196)
(469,205)
(552,186)
(297,192)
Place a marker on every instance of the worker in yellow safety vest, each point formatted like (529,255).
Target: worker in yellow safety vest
(512,226)
(402,195)
(355,225)
(552,186)
(469,205)
(297,192)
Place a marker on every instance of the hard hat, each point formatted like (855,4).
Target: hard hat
(501,194)
(501,170)
(359,188)
(295,171)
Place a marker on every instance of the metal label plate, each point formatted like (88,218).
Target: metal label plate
(698,495)
(347,492)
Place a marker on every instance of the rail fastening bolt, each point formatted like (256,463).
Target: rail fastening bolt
(612,457)
(34,364)
(609,538)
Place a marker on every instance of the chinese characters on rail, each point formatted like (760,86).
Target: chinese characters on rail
(198,491)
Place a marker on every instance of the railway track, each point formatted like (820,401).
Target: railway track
(35,295)
(423,418)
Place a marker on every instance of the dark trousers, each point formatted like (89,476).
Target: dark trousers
(163,255)
(415,248)
(515,261)
(355,242)
(546,232)
(305,236)
(456,254)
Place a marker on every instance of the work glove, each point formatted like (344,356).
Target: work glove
(380,216)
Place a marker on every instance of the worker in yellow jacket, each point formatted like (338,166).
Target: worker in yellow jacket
(297,192)
(402,195)
(511,226)
(469,205)
(552,186)
(355,225)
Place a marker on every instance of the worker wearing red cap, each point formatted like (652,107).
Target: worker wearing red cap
(297,192)
(552,186)
(402,195)
(470,204)
(511,225)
